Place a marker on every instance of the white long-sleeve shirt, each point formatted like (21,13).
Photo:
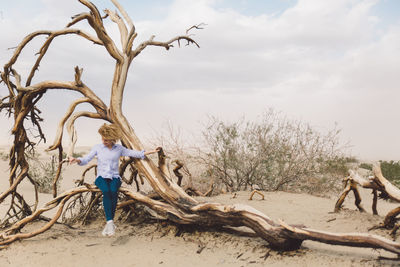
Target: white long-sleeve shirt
(108,159)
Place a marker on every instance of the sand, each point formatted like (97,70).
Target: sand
(156,244)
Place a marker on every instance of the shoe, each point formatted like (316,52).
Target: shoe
(109,229)
(105,230)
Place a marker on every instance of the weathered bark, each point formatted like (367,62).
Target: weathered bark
(350,185)
(375,202)
(177,173)
(162,164)
(176,205)
(390,218)
(82,180)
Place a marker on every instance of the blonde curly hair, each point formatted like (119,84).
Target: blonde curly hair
(110,132)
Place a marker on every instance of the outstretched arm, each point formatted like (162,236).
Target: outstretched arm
(138,154)
(72,160)
(84,160)
(152,151)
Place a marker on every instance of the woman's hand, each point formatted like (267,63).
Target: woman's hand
(158,149)
(73,160)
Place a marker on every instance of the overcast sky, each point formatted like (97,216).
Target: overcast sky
(321,62)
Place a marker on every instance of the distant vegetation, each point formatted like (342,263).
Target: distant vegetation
(4,155)
(75,155)
(273,153)
(43,172)
(391,171)
(366,166)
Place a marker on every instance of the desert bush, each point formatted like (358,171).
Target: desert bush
(273,154)
(366,166)
(391,171)
(74,154)
(4,156)
(43,172)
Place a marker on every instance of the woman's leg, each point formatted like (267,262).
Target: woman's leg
(104,186)
(114,186)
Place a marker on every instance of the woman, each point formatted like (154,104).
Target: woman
(108,180)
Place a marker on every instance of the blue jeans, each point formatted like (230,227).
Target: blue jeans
(109,187)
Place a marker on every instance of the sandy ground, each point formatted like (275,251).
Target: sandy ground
(138,244)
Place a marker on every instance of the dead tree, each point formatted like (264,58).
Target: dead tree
(379,185)
(177,206)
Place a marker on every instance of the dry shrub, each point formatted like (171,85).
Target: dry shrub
(43,172)
(274,153)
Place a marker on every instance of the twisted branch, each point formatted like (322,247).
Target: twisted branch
(124,14)
(121,25)
(51,37)
(71,128)
(59,134)
(96,22)
(167,45)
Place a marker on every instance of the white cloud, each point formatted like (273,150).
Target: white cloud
(320,61)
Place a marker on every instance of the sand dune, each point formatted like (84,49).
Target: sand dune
(139,244)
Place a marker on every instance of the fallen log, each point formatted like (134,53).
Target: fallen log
(280,236)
